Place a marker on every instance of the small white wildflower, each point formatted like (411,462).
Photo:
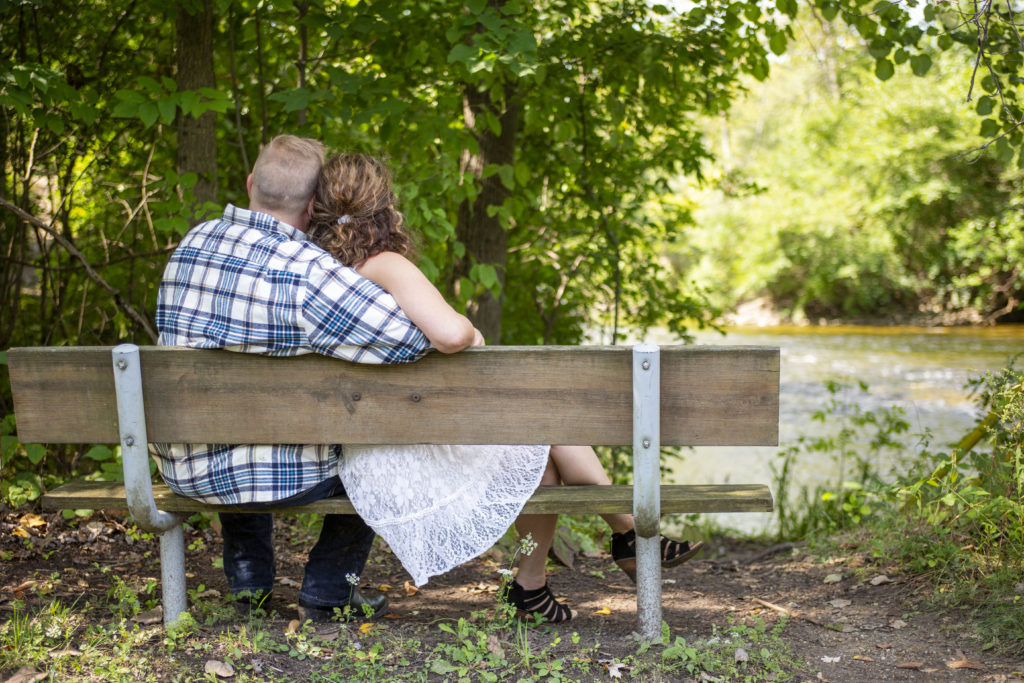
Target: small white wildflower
(353,579)
(527,545)
(507,573)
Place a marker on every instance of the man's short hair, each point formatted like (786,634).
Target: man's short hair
(285,174)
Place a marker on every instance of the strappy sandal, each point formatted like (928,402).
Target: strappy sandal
(673,553)
(537,601)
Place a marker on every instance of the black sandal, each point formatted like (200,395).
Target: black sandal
(673,553)
(537,601)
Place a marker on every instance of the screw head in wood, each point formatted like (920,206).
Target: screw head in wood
(122,364)
(646,365)
(129,441)
(646,443)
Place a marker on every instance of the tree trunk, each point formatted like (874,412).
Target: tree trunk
(484,237)
(197,137)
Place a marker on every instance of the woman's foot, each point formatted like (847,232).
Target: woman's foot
(537,601)
(673,553)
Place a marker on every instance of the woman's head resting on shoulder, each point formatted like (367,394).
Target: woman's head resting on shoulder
(354,215)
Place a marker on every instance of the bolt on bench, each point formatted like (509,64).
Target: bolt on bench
(643,397)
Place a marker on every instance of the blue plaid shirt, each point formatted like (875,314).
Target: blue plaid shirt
(249,283)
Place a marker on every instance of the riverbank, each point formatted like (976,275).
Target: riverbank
(761,312)
(75,606)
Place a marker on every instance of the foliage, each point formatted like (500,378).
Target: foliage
(854,197)
(862,442)
(975,496)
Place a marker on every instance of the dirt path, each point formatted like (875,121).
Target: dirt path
(849,620)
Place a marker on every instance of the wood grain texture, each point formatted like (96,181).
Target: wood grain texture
(97,495)
(721,396)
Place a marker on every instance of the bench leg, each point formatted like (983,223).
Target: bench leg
(648,586)
(647,487)
(172,574)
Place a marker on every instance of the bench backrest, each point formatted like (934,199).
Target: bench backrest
(720,396)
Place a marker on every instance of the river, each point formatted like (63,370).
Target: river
(923,370)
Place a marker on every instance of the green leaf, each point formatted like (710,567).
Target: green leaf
(884,69)
(99,453)
(462,53)
(985,105)
(920,64)
(507,177)
(989,128)
(1004,151)
(830,11)
(35,452)
(148,113)
(879,47)
(168,108)
(777,43)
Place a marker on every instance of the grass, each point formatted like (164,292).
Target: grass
(103,641)
(486,646)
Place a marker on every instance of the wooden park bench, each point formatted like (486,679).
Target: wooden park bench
(644,397)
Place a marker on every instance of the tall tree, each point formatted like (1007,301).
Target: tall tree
(197,135)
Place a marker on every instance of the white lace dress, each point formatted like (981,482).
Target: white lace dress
(439,506)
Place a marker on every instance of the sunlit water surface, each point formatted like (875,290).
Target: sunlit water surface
(923,370)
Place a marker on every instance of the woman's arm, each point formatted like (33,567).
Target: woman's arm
(448,330)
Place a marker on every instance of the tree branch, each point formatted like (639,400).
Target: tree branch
(93,275)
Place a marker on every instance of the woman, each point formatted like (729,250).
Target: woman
(405,492)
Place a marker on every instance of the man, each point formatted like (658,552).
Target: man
(251,282)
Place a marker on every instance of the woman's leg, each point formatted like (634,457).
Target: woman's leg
(541,529)
(577,466)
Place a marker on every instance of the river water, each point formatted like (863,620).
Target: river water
(923,370)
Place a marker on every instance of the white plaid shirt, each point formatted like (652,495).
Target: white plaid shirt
(249,283)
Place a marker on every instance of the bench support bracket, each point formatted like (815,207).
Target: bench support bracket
(131,418)
(647,487)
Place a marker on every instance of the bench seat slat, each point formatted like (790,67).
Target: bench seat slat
(99,495)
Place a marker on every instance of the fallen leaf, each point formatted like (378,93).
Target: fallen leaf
(615,669)
(208,593)
(286,581)
(708,678)
(21,533)
(740,655)
(898,624)
(392,615)
(883,646)
(410,590)
(604,610)
(964,663)
(26,674)
(330,633)
(833,578)
(384,587)
(909,665)
(292,626)
(830,660)
(150,616)
(31,521)
(24,586)
(365,627)
(864,658)
(494,646)
(66,652)
(219,668)
(839,603)
(879,580)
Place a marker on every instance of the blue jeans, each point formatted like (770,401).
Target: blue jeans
(342,550)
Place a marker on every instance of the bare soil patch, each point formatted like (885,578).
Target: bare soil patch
(849,618)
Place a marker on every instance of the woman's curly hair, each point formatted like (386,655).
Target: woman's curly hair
(354,215)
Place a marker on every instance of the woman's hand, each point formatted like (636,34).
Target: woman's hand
(478,338)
